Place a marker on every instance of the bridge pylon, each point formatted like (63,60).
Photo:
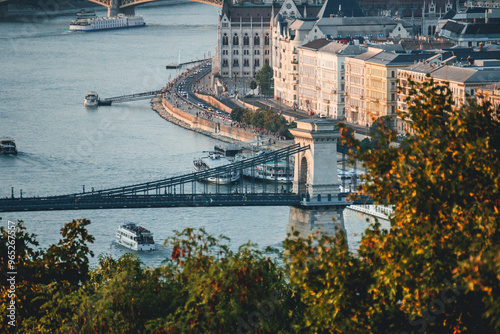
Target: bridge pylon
(316,179)
(316,168)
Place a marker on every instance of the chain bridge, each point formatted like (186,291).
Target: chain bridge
(314,198)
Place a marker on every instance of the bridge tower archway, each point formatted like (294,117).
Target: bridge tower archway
(315,170)
(302,180)
(316,179)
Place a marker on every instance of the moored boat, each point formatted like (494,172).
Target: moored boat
(91,99)
(135,237)
(8,146)
(214,160)
(270,171)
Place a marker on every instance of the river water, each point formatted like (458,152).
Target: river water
(44,73)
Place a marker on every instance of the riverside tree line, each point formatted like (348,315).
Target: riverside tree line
(437,270)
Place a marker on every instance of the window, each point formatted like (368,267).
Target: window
(225,40)
(256,52)
(266,52)
(266,61)
(224,25)
(246,40)
(393,74)
(257,63)
(393,97)
(246,62)
(256,40)
(225,52)
(266,39)
(235,52)
(246,52)
(235,62)
(236,40)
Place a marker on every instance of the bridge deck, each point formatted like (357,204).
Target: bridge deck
(138,195)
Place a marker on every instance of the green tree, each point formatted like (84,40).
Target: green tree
(42,274)
(264,78)
(224,291)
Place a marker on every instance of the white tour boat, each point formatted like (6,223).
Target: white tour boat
(349,180)
(135,237)
(91,99)
(214,160)
(88,21)
(7,146)
(270,171)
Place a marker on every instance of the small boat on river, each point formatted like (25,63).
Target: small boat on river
(91,99)
(8,146)
(135,237)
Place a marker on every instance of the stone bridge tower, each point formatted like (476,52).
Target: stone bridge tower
(316,179)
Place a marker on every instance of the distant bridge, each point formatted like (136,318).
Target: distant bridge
(126,7)
(181,191)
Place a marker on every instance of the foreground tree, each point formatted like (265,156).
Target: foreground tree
(41,274)
(437,269)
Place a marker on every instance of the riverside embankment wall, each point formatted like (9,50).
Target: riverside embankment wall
(213,101)
(214,129)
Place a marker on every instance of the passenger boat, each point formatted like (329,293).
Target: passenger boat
(91,99)
(214,160)
(270,171)
(349,180)
(135,237)
(8,146)
(88,21)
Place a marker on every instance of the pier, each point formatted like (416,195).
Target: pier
(179,65)
(127,98)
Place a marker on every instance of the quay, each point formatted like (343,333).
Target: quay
(183,111)
(378,211)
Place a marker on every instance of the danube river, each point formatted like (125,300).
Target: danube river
(46,70)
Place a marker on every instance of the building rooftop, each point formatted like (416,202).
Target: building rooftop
(349,8)
(316,44)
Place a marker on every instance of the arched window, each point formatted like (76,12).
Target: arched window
(246,40)
(429,30)
(256,40)
(225,40)
(236,40)
(266,39)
